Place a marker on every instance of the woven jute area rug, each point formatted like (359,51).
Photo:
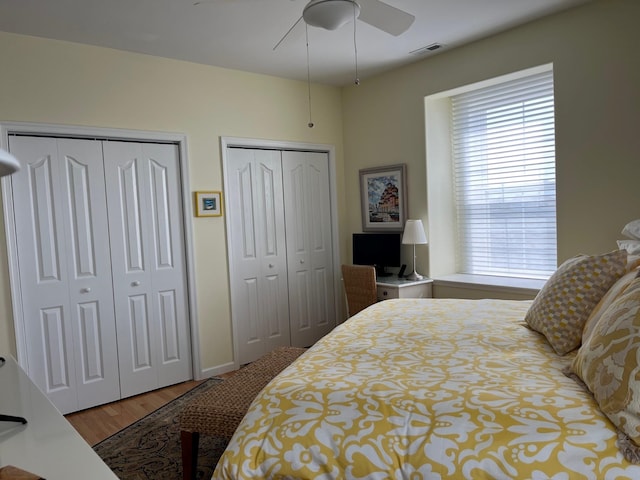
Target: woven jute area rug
(150,448)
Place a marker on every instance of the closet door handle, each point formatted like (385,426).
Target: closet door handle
(135,284)
(85,290)
(271,265)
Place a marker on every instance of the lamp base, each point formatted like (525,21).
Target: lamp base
(414,276)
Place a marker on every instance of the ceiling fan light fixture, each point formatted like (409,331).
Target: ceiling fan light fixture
(330,14)
(8,163)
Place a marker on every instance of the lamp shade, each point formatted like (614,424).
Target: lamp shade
(414,233)
(330,14)
(8,163)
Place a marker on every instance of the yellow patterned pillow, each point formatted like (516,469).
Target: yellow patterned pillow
(612,294)
(608,362)
(562,307)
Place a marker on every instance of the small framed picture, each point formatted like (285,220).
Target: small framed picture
(208,204)
(383,195)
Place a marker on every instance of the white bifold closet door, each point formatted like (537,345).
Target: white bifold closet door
(259,294)
(102,274)
(147,249)
(65,270)
(281,254)
(309,248)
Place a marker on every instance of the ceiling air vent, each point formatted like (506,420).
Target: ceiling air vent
(428,49)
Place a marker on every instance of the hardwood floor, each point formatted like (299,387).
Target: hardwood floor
(96,424)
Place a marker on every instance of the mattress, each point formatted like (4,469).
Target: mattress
(427,388)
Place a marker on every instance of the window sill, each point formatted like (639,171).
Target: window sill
(524,286)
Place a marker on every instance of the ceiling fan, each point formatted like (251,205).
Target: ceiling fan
(332,14)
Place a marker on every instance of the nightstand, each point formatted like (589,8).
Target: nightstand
(394,287)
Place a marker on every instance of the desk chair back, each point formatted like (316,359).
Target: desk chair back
(359,286)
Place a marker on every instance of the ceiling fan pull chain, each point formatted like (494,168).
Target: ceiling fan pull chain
(355,44)
(306,31)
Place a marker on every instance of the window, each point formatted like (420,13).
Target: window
(503,152)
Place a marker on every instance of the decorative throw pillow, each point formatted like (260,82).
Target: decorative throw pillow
(608,362)
(632,229)
(561,308)
(612,294)
(633,261)
(631,246)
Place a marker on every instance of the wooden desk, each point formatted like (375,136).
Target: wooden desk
(47,445)
(394,287)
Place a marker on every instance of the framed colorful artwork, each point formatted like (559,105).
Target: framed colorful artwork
(383,195)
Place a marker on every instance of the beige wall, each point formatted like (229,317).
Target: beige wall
(594,50)
(70,84)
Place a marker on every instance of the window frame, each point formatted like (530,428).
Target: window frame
(441,209)
(503,154)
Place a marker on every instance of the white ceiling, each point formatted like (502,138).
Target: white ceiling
(241,34)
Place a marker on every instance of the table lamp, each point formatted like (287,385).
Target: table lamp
(414,234)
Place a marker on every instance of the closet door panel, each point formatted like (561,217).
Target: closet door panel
(162,228)
(251,328)
(274,310)
(127,209)
(130,266)
(168,269)
(52,324)
(257,248)
(138,334)
(268,196)
(245,257)
(39,189)
(300,302)
(145,219)
(270,224)
(309,247)
(324,317)
(171,348)
(89,268)
(84,261)
(65,270)
(91,349)
(321,249)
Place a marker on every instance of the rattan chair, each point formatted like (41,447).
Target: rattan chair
(359,287)
(219,410)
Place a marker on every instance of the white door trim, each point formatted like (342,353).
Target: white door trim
(227,142)
(7,128)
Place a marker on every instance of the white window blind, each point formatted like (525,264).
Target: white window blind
(503,141)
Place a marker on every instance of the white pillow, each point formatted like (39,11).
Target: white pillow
(631,246)
(632,229)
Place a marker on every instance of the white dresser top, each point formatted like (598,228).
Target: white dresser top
(394,281)
(47,445)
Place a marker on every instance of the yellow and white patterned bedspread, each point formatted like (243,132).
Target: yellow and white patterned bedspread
(427,389)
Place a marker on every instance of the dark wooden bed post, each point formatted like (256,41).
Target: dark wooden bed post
(189,442)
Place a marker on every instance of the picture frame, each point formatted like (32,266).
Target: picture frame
(383,195)
(208,204)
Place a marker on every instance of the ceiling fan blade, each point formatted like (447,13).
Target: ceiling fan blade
(385,17)
(288,32)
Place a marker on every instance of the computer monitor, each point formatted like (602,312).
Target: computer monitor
(381,250)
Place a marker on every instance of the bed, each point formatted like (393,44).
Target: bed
(434,389)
